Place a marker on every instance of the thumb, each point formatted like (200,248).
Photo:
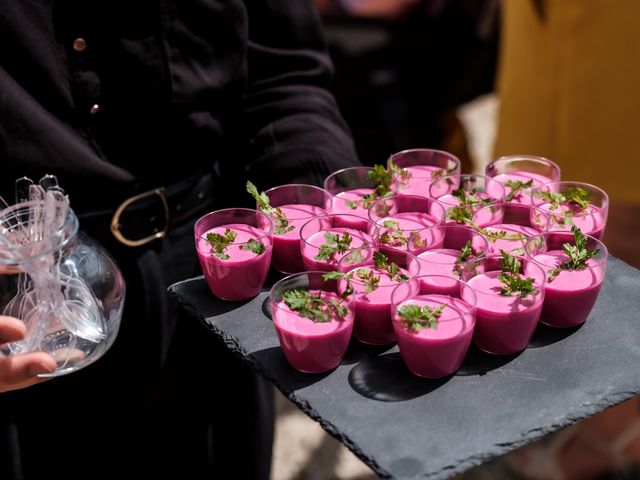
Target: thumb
(22,370)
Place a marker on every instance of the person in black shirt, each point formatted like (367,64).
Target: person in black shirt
(180,101)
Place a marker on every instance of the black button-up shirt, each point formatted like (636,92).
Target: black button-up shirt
(119,96)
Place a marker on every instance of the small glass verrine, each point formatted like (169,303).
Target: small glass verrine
(234,247)
(313,322)
(570,291)
(298,204)
(419,167)
(433,330)
(408,222)
(573,203)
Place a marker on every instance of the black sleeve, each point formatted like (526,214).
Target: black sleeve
(291,122)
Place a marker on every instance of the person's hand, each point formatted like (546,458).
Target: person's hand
(21,371)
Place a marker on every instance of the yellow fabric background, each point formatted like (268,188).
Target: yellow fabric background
(569,83)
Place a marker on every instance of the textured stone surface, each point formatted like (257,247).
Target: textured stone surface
(406,427)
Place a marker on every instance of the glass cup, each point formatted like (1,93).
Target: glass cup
(435,351)
(372,289)
(348,187)
(422,166)
(508,230)
(63,285)
(478,191)
(504,324)
(591,219)
(299,203)
(309,345)
(569,294)
(522,169)
(236,269)
(314,234)
(408,222)
(445,263)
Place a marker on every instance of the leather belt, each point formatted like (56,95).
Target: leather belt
(150,215)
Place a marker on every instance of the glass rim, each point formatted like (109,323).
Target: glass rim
(486,258)
(444,153)
(605,195)
(327,215)
(396,196)
(515,206)
(71,220)
(478,234)
(297,185)
(534,158)
(604,252)
(375,248)
(395,304)
(290,278)
(469,175)
(229,210)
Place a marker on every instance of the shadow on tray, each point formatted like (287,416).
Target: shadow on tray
(545,335)
(281,373)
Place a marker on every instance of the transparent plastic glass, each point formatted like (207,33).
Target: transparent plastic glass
(508,230)
(423,166)
(522,168)
(347,187)
(569,294)
(444,264)
(408,222)
(65,287)
(313,235)
(592,220)
(242,275)
(485,191)
(299,203)
(372,306)
(312,347)
(435,352)
(504,324)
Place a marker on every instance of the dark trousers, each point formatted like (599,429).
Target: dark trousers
(167,401)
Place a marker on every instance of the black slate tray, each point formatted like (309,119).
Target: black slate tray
(406,427)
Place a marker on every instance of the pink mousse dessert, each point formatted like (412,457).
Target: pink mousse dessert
(572,288)
(417,168)
(351,202)
(237,270)
(504,323)
(440,270)
(353,190)
(372,286)
(434,349)
(573,203)
(324,241)
(313,326)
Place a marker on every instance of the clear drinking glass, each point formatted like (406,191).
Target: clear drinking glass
(234,247)
(589,213)
(309,345)
(422,167)
(299,204)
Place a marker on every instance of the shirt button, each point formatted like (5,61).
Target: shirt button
(79,44)
(94,109)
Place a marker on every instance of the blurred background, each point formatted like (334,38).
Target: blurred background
(480,79)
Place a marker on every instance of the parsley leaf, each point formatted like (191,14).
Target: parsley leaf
(381,262)
(416,317)
(516,187)
(281,222)
(335,243)
(219,243)
(578,254)
(511,279)
(254,246)
(313,306)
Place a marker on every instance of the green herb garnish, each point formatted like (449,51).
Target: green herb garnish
(254,246)
(393,235)
(368,277)
(313,307)
(416,317)
(338,275)
(281,222)
(464,255)
(516,187)
(578,254)
(511,279)
(381,262)
(219,243)
(382,178)
(335,243)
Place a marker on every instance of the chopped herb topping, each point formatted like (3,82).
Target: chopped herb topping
(578,254)
(511,279)
(313,306)
(418,317)
(219,243)
(516,186)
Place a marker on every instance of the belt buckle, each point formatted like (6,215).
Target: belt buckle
(115,221)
